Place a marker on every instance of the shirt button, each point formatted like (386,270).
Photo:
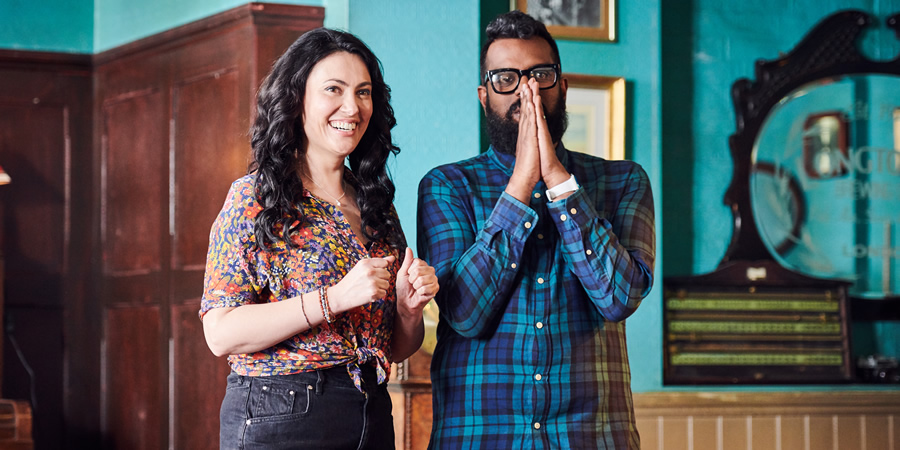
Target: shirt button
(563,217)
(537,377)
(537,425)
(527,224)
(573,211)
(513,265)
(540,236)
(540,281)
(539,325)
(537,195)
(588,251)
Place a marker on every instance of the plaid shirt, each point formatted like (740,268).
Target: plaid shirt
(531,338)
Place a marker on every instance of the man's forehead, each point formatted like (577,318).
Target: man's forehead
(518,53)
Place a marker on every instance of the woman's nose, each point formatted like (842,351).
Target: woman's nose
(350,104)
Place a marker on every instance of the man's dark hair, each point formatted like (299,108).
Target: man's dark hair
(516,25)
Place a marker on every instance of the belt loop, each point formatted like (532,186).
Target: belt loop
(320,381)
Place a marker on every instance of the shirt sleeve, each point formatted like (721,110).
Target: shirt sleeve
(475,267)
(231,275)
(611,253)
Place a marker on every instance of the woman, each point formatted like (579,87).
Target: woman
(306,289)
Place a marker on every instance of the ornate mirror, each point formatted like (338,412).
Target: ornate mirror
(816,183)
(815,196)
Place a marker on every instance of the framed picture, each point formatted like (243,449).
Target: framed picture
(596,108)
(825,145)
(592,20)
(897,131)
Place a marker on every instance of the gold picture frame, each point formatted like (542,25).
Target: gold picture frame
(596,108)
(590,20)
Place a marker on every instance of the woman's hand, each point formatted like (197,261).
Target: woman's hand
(416,285)
(367,281)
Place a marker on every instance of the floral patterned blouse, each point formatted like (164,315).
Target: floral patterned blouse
(238,273)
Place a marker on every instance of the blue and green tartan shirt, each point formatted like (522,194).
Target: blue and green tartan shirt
(531,338)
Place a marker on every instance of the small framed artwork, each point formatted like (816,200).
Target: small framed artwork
(897,132)
(592,20)
(596,108)
(825,145)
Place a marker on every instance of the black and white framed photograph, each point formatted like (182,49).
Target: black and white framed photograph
(574,19)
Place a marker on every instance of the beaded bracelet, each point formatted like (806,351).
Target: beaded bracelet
(303,308)
(326,309)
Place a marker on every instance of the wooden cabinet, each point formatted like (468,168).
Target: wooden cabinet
(121,163)
(172,115)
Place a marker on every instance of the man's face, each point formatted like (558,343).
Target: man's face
(502,110)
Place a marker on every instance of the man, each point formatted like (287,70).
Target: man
(535,283)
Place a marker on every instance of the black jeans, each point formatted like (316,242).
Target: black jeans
(315,410)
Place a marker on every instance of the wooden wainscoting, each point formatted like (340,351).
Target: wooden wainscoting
(845,420)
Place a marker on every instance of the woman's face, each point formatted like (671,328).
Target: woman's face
(337,105)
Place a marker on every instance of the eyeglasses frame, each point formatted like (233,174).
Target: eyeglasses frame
(490,73)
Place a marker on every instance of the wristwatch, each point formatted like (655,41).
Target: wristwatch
(569,185)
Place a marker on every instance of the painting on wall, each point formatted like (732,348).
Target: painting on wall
(592,20)
(825,145)
(596,108)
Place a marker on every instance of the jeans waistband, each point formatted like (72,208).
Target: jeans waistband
(331,377)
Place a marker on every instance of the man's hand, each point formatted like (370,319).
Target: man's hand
(552,171)
(527,170)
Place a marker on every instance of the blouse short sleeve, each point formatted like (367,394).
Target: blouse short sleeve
(232,275)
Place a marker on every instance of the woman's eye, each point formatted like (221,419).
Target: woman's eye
(335,89)
(365,92)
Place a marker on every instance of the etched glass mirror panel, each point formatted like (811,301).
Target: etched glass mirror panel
(825,182)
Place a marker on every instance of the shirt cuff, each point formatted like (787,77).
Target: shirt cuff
(513,216)
(572,215)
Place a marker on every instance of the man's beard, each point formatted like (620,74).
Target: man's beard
(504,131)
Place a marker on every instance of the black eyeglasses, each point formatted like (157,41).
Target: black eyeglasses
(505,81)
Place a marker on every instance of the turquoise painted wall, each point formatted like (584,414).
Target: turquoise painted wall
(47,25)
(679,60)
(117,22)
(429,51)
(92,26)
(726,39)
(707,45)
(636,57)
(438,116)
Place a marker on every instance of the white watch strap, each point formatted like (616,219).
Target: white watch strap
(569,185)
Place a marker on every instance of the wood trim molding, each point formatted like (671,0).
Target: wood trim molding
(295,16)
(30,60)
(776,403)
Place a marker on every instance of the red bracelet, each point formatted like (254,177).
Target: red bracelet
(303,308)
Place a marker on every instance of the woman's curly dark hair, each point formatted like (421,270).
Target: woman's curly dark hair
(278,143)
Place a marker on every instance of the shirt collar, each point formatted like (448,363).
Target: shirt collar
(507,162)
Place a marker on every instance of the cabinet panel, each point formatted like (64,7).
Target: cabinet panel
(211,151)
(134,159)
(198,379)
(134,413)
(34,150)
